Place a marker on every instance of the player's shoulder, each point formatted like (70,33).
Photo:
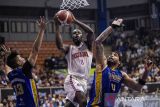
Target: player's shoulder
(71,46)
(124,74)
(120,72)
(15,73)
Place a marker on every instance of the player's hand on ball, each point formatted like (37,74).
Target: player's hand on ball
(42,23)
(117,23)
(55,18)
(4,52)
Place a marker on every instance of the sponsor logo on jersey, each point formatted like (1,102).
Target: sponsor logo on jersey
(114,77)
(79,54)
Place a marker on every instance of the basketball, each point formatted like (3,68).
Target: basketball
(64,16)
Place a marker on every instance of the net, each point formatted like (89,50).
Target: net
(73,4)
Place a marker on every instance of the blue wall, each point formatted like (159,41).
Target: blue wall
(101,15)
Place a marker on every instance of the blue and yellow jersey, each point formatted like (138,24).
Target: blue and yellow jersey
(105,81)
(25,88)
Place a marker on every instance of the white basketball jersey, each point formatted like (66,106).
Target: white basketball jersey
(79,60)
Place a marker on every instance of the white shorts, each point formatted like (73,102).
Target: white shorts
(73,84)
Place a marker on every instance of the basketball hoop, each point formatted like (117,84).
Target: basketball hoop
(73,4)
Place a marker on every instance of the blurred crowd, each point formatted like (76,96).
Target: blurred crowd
(134,47)
(46,100)
(48,78)
(43,78)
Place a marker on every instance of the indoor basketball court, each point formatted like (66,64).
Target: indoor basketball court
(79,53)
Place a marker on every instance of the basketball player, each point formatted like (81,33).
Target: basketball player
(107,77)
(19,71)
(79,58)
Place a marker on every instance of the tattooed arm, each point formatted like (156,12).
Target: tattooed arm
(100,57)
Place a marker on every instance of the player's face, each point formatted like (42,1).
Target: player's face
(20,60)
(77,37)
(113,59)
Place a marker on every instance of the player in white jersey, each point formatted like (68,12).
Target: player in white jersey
(79,58)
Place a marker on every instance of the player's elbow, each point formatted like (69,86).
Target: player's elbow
(91,32)
(60,47)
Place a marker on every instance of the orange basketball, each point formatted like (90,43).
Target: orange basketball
(64,17)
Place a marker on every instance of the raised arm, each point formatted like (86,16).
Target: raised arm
(59,41)
(100,57)
(88,30)
(5,51)
(138,85)
(115,24)
(99,53)
(37,43)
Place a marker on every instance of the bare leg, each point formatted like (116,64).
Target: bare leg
(81,99)
(69,104)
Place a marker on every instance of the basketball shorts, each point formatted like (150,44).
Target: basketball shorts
(73,84)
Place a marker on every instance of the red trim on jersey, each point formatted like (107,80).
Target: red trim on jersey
(71,82)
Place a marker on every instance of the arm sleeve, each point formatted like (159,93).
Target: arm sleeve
(27,68)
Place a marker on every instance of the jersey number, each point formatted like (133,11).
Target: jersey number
(18,89)
(82,62)
(113,87)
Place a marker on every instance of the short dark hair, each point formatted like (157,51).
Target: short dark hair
(119,54)
(11,59)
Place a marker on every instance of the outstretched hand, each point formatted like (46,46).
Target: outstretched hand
(117,23)
(56,20)
(4,52)
(42,23)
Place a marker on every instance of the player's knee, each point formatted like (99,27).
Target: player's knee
(69,104)
(81,99)
(83,102)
